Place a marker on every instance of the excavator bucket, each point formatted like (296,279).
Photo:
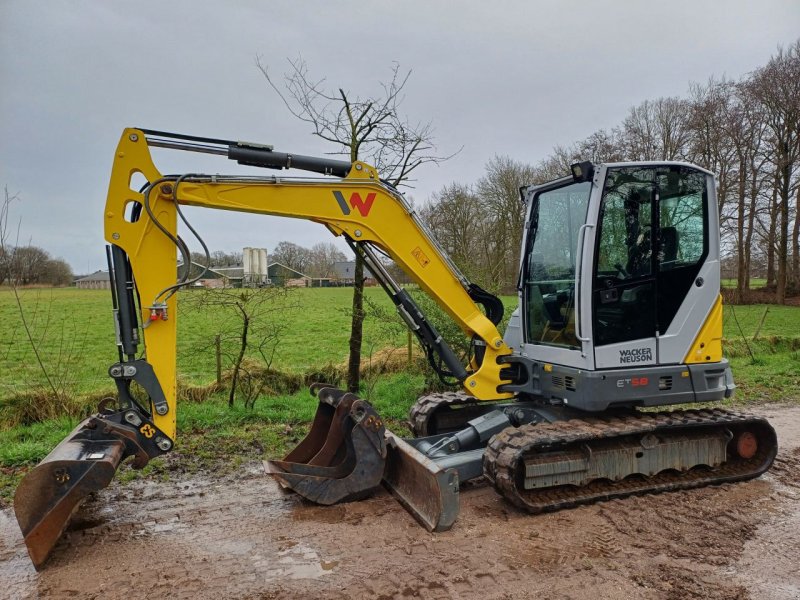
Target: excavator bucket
(343,456)
(348,452)
(84,462)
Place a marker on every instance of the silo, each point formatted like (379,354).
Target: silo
(262,263)
(247,263)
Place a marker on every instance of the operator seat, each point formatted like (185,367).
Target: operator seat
(668,251)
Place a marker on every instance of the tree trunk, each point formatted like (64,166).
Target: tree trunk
(748,242)
(773,225)
(741,267)
(238,363)
(796,244)
(356,328)
(783,247)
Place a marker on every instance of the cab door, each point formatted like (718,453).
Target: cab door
(652,240)
(552,261)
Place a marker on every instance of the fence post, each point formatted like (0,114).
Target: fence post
(761,323)
(218,351)
(409,348)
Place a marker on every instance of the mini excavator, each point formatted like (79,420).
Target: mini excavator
(619,314)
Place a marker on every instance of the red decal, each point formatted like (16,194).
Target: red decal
(363,206)
(639,381)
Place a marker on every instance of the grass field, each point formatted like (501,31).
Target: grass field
(74,335)
(74,331)
(755,283)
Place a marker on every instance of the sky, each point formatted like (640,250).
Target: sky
(511,78)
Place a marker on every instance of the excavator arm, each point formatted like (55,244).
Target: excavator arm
(348,450)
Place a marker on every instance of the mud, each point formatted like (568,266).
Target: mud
(241,537)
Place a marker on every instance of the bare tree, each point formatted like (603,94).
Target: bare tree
(656,130)
(499,192)
(291,255)
(322,258)
(56,371)
(455,216)
(776,87)
(57,272)
(370,128)
(248,322)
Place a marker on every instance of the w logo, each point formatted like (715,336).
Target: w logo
(363,206)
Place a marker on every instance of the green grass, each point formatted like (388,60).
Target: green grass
(74,333)
(755,283)
(743,321)
(212,436)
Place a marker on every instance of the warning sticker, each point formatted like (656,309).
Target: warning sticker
(422,259)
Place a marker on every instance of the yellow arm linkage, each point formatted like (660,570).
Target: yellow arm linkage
(358,206)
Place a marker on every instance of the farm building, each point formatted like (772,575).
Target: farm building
(99,280)
(283,276)
(345,273)
(212,278)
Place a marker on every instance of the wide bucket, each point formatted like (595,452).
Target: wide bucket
(53,490)
(343,456)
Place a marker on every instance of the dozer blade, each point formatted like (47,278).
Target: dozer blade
(343,456)
(426,490)
(84,462)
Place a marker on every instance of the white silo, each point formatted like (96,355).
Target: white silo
(262,263)
(247,264)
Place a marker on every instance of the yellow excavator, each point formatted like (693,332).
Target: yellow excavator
(619,311)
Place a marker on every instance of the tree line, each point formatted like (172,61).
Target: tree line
(747,131)
(31,265)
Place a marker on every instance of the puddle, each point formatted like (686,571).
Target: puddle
(298,561)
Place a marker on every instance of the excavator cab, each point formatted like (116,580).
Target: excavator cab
(621,269)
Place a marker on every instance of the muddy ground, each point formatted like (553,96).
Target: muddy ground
(240,537)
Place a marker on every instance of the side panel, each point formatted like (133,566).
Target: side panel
(636,353)
(643,386)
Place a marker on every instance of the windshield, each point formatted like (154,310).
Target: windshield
(549,280)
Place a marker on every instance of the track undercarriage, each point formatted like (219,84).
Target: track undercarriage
(545,458)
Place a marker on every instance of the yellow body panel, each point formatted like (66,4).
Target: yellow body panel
(375,213)
(152,258)
(707,346)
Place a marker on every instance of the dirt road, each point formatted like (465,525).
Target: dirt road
(240,537)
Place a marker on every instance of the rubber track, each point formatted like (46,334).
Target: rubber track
(421,412)
(506,451)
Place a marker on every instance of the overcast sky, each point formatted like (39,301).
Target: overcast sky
(509,78)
